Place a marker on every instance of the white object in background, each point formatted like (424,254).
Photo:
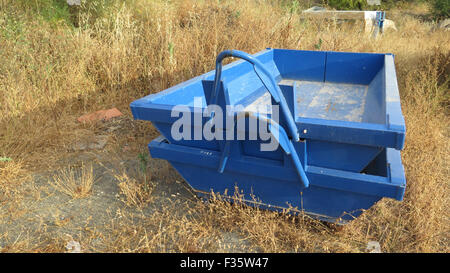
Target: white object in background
(370,17)
(74,2)
(373,247)
(315,8)
(374,2)
(445,24)
(389,24)
(73,247)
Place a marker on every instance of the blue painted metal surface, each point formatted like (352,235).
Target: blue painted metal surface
(266,78)
(333,195)
(345,108)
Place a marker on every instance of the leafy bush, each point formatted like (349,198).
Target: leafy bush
(58,11)
(440,9)
(54,11)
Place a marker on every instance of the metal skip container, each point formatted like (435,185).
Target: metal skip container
(332,121)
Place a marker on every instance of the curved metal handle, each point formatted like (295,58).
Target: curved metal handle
(280,135)
(286,144)
(269,83)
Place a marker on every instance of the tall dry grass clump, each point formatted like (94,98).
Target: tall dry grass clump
(135,194)
(94,58)
(74,181)
(12,175)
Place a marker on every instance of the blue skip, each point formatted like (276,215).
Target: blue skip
(335,116)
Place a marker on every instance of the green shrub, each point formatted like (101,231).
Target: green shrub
(58,11)
(440,9)
(54,11)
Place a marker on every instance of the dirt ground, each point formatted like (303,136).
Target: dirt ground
(46,213)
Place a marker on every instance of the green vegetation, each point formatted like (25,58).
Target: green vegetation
(440,8)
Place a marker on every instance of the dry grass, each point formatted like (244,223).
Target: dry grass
(136,194)
(54,72)
(12,175)
(74,181)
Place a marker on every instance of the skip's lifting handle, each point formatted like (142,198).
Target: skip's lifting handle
(275,129)
(266,78)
